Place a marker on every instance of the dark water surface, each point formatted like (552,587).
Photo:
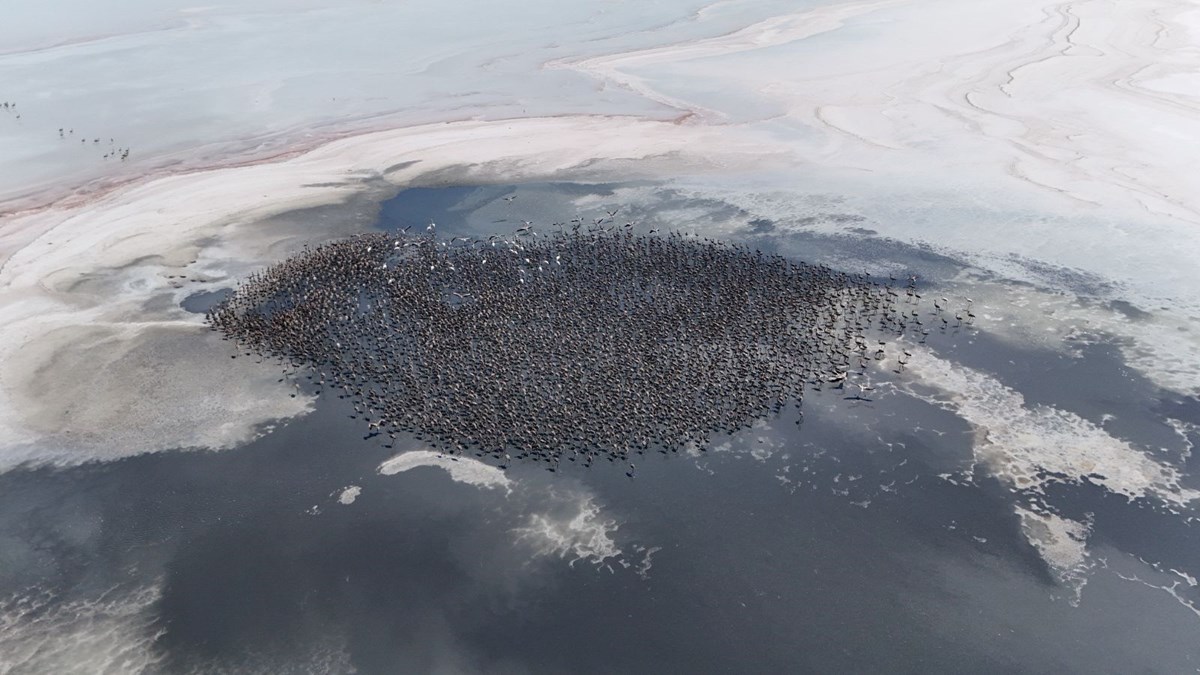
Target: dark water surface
(828,547)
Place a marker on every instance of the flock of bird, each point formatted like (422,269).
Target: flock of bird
(585,343)
(112,151)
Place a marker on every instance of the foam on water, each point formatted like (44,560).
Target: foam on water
(349,494)
(113,633)
(329,654)
(1181,586)
(1062,543)
(563,520)
(643,567)
(1161,342)
(1186,432)
(576,531)
(1021,444)
(461,469)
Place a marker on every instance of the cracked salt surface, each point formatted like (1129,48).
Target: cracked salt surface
(565,523)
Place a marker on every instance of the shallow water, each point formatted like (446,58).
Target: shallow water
(203,301)
(866,539)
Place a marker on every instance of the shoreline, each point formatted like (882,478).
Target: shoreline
(99,266)
(103,257)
